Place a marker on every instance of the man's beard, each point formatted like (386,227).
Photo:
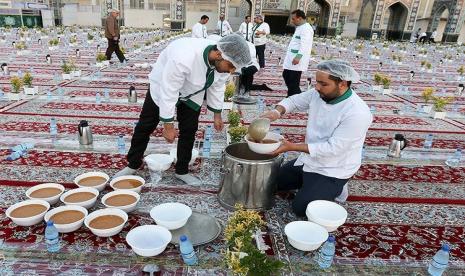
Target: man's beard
(327,99)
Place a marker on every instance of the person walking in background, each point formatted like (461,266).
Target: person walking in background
(199,30)
(432,37)
(112,35)
(259,32)
(223,27)
(298,52)
(246,28)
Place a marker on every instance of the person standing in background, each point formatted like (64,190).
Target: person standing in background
(259,32)
(432,37)
(298,53)
(246,28)
(223,27)
(199,30)
(112,35)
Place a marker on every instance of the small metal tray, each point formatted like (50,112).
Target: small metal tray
(200,229)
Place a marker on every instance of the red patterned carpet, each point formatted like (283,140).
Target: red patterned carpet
(400,211)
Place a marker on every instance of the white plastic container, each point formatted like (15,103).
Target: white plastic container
(265,148)
(305,235)
(171,215)
(328,214)
(148,240)
(29,220)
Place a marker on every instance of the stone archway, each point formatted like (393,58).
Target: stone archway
(452,28)
(398,14)
(365,20)
(319,15)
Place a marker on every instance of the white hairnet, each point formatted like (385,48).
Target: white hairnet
(234,49)
(340,69)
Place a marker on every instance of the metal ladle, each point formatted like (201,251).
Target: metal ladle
(258,128)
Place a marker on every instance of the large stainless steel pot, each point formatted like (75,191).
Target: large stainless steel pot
(248,178)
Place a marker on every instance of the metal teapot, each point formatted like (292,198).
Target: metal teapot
(397,145)
(85,133)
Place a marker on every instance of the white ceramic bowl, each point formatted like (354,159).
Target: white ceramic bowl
(171,215)
(52,199)
(127,208)
(265,148)
(158,162)
(135,177)
(328,214)
(110,231)
(305,235)
(195,154)
(86,204)
(89,174)
(69,227)
(148,240)
(29,220)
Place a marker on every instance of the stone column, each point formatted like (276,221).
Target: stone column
(412,19)
(257,7)
(223,7)
(376,27)
(451,33)
(334,17)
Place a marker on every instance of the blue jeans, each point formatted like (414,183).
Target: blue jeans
(311,186)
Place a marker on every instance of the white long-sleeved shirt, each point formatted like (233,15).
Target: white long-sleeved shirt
(260,39)
(223,28)
(246,30)
(199,30)
(335,132)
(179,73)
(300,45)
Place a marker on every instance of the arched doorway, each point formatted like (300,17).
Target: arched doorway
(318,12)
(365,21)
(397,18)
(439,22)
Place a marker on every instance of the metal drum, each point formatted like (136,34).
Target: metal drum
(248,178)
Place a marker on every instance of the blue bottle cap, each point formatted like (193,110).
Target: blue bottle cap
(183,238)
(445,247)
(331,238)
(50,223)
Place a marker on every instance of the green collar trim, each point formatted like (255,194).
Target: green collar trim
(341,98)
(205,56)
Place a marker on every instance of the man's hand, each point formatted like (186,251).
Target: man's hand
(295,61)
(273,115)
(218,122)
(285,147)
(169,132)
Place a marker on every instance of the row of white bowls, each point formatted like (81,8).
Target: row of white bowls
(323,217)
(112,182)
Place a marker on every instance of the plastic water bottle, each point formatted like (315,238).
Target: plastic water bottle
(53,127)
(208,132)
(326,253)
(52,239)
(260,105)
(14,155)
(23,147)
(187,251)
(428,141)
(372,109)
(98,98)
(121,144)
(454,160)
(106,94)
(206,148)
(49,96)
(1,94)
(439,263)
(363,152)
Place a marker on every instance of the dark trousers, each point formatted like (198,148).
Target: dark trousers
(431,40)
(312,186)
(422,39)
(247,77)
(114,47)
(188,120)
(292,80)
(261,55)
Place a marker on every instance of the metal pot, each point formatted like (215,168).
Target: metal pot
(248,178)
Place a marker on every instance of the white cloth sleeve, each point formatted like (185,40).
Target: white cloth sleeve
(306,41)
(215,93)
(298,102)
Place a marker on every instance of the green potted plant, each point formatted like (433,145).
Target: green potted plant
(234,118)
(429,67)
(20,46)
(53,44)
(148,44)
(461,70)
(90,38)
(439,106)
(66,69)
(229,91)
(73,41)
(16,84)
(75,72)
(137,49)
(236,134)
(427,95)
(386,82)
(378,79)
(27,82)
(100,58)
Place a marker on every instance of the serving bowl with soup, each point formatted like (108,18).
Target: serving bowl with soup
(28,212)
(68,218)
(121,199)
(84,197)
(49,192)
(267,145)
(106,222)
(128,183)
(96,180)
